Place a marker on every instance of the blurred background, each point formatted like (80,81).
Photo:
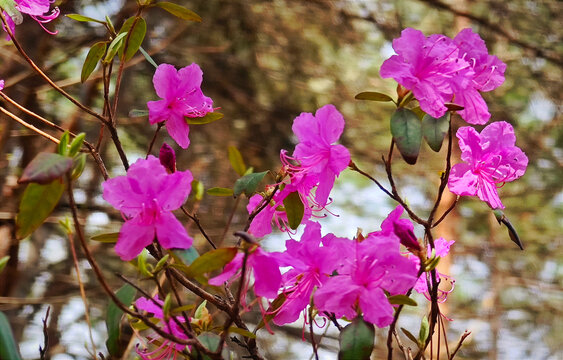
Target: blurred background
(264,63)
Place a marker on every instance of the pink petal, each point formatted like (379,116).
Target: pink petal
(266,274)
(165,81)
(134,236)
(498,135)
(158,111)
(230,270)
(306,128)
(174,190)
(475,109)
(462,181)
(190,77)
(170,232)
(326,182)
(117,191)
(331,123)
(339,158)
(178,129)
(376,308)
(149,306)
(488,192)
(338,295)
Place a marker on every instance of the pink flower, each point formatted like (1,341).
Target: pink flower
(167,348)
(374,266)
(425,65)
(1,85)
(402,228)
(485,74)
(181,97)
(146,197)
(267,276)
(316,152)
(37,9)
(490,159)
(311,266)
(442,247)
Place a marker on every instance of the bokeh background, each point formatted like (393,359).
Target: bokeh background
(265,62)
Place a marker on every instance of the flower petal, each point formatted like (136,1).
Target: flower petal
(134,236)
(170,232)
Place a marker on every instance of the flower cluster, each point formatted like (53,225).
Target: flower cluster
(438,69)
(37,9)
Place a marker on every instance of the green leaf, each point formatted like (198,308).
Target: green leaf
(125,294)
(137,27)
(210,341)
(79,163)
(410,335)
(208,118)
(197,190)
(435,129)
(199,311)
(83,18)
(114,47)
(160,264)
(167,305)
(248,183)
(110,26)
(185,256)
(512,233)
(142,264)
(356,340)
(211,261)
(236,160)
(95,54)
(401,300)
(76,144)
(424,330)
(3,263)
(38,201)
(8,347)
(373,96)
(63,144)
(294,209)
(271,312)
(106,238)
(45,167)
(179,11)
(138,113)
(406,129)
(219,191)
(9,6)
(148,57)
(243,332)
(431,263)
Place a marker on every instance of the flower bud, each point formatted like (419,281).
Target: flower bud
(167,158)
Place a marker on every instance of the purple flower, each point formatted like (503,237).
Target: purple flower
(146,197)
(490,159)
(486,73)
(181,97)
(267,276)
(316,152)
(167,349)
(311,266)
(374,266)
(402,228)
(425,65)
(1,85)
(167,157)
(37,9)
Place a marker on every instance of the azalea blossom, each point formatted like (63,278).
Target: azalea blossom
(37,9)
(1,85)
(402,228)
(374,266)
(146,197)
(442,249)
(490,158)
(267,276)
(181,97)
(166,349)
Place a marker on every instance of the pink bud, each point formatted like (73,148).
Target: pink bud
(167,158)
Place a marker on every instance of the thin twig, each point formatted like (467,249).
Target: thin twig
(445,175)
(463,336)
(231,216)
(262,206)
(195,219)
(313,343)
(452,206)
(43,350)
(29,126)
(158,127)
(354,167)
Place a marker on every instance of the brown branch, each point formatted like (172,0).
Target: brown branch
(465,334)
(43,350)
(195,219)
(29,126)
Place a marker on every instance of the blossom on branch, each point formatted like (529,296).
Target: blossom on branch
(181,97)
(490,159)
(442,248)
(37,9)
(146,197)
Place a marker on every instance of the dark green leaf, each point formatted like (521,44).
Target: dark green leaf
(424,330)
(435,129)
(37,202)
(137,27)
(211,260)
(8,347)
(407,132)
(106,238)
(401,300)
(179,11)
(3,263)
(356,340)
(45,167)
(294,209)
(208,118)
(210,341)
(218,191)
(83,18)
(114,47)
(248,183)
(95,54)
(235,158)
(410,335)
(186,256)
(125,294)
(373,96)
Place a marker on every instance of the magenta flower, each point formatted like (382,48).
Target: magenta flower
(490,159)
(37,9)
(425,65)
(146,197)
(316,152)
(267,276)
(181,97)
(485,74)
(402,228)
(375,266)
(166,349)
(311,266)
(442,248)
(1,85)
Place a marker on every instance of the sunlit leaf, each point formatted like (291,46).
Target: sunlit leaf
(219,191)
(45,167)
(38,201)
(106,238)
(83,18)
(95,54)
(243,332)
(125,294)
(211,261)
(136,27)
(76,144)
(424,330)
(114,47)
(179,11)
(356,340)
(401,300)
(406,129)
(208,118)
(62,147)
(373,96)
(3,263)
(236,160)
